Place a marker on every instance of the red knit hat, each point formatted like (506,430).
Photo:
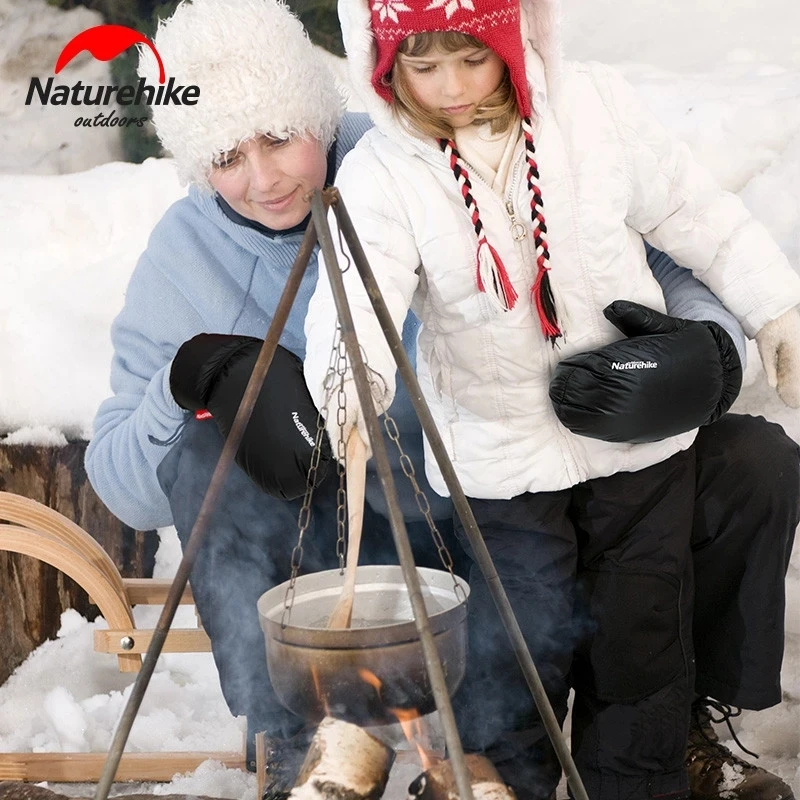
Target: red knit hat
(496,23)
(493,22)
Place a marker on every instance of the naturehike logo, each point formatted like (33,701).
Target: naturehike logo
(302,428)
(634,365)
(105,42)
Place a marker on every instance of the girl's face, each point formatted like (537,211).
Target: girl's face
(267,179)
(451,85)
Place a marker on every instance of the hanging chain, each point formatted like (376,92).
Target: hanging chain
(337,371)
(303,521)
(421,498)
(341,452)
(304,516)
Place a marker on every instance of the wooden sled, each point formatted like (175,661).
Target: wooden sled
(34,530)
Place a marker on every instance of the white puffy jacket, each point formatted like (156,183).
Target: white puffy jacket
(610,175)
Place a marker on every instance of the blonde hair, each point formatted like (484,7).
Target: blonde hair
(499,108)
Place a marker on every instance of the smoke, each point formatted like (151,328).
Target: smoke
(248,550)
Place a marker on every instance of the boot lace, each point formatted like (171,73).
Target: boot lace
(726,713)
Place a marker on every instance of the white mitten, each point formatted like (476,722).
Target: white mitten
(779,346)
(353,418)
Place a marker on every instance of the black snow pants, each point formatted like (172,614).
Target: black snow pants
(746,512)
(600,579)
(748,506)
(247,550)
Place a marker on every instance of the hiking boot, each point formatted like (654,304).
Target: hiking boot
(715,773)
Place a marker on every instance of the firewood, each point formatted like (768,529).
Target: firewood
(344,762)
(439,782)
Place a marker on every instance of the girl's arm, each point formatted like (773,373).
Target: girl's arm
(680,209)
(687,298)
(131,426)
(385,234)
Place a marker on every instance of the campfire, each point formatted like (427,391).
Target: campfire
(347,762)
(359,680)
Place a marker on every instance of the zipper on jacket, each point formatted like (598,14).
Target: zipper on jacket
(518,231)
(570,461)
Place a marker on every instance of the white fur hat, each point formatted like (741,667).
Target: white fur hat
(257,72)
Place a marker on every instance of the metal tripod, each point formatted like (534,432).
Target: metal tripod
(319,229)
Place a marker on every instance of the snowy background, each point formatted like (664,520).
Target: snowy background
(723,74)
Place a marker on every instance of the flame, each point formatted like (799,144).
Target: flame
(371,678)
(413,725)
(318,691)
(416,731)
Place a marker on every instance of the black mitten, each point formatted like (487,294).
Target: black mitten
(211,371)
(670,376)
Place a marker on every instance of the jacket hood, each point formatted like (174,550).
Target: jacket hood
(540,24)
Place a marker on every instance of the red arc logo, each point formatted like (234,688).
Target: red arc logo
(105,42)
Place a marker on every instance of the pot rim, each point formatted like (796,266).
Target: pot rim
(433,581)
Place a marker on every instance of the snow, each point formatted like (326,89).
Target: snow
(723,74)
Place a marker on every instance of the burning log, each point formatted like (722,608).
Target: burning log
(344,762)
(439,783)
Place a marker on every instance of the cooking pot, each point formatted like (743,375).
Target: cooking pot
(360,674)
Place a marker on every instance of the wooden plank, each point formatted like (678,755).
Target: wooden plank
(261,763)
(152,591)
(179,640)
(88,767)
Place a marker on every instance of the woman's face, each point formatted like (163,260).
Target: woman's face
(267,180)
(451,85)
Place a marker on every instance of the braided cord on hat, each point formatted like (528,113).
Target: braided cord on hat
(541,291)
(489,263)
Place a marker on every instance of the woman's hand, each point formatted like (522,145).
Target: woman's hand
(779,347)
(211,371)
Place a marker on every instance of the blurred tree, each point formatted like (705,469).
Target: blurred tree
(322,23)
(318,16)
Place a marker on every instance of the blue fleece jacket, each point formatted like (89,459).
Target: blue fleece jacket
(203,272)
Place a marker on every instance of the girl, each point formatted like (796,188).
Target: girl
(505,194)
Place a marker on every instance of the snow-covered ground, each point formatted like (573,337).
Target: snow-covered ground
(723,74)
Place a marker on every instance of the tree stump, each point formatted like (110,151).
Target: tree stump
(33,594)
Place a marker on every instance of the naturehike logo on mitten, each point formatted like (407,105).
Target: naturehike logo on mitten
(106,42)
(635,365)
(302,428)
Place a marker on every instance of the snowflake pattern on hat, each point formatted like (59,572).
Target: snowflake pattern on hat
(451,6)
(389,8)
(496,23)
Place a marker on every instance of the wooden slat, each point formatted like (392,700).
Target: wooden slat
(88,767)
(179,640)
(261,763)
(152,591)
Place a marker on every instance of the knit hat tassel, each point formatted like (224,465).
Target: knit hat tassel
(492,272)
(542,294)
